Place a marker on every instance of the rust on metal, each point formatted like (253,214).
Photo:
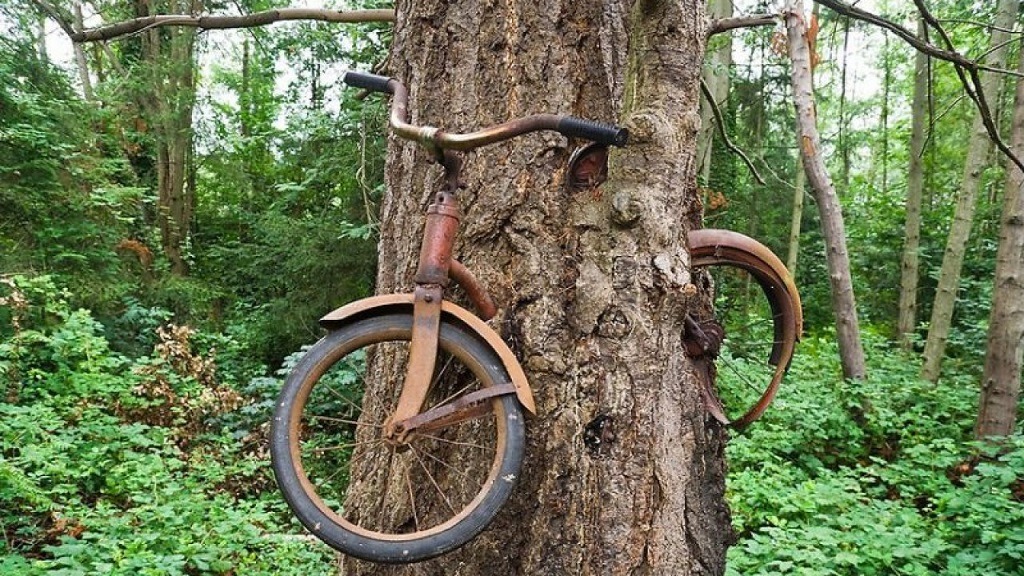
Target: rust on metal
(438,239)
(426,329)
(403,303)
(475,291)
(588,167)
(433,138)
(710,247)
(702,340)
(459,410)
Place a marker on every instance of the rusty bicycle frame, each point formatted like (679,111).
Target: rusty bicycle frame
(437,266)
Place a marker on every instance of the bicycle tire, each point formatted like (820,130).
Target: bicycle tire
(393,540)
(725,248)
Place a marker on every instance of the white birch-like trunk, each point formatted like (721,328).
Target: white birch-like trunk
(716,76)
(796,218)
(844,307)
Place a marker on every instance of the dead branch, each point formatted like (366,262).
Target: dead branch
(129,27)
(725,24)
(985,25)
(720,121)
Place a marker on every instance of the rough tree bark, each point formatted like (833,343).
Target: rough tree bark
(909,264)
(844,307)
(593,285)
(974,167)
(1000,380)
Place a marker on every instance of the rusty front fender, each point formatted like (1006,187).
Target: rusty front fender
(403,303)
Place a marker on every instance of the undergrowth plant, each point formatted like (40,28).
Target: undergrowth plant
(878,476)
(117,465)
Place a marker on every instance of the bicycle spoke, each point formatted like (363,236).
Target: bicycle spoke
(343,446)
(454,442)
(344,398)
(384,492)
(758,344)
(457,394)
(412,500)
(344,421)
(743,378)
(441,372)
(430,477)
(462,473)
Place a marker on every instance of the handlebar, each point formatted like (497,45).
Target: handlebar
(433,137)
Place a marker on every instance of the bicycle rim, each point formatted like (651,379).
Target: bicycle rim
(381,499)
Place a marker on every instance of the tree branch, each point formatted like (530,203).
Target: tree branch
(980,25)
(720,121)
(966,69)
(62,19)
(129,27)
(725,24)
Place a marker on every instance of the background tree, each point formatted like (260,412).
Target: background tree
(963,217)
(1000,379)
(909,269)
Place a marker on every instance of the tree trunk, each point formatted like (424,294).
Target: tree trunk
(592,285)
(797,217)
(80,61)
(851,352)
(1000,380)
(716,76)
(886,87)
(843,143)
(41,39)
(963,216)
(167,105)
(915,180)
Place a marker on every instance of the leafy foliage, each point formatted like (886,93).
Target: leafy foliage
(122,466)
(873,477)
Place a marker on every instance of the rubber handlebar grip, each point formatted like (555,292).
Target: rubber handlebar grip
(596,131)
(366,81)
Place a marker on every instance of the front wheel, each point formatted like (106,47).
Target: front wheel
(377,497)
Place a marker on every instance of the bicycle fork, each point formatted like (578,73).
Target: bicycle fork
(435,267)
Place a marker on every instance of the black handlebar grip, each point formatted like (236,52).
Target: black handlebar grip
(366,81)
(596,131)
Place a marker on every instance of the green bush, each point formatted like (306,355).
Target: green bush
(873,477)
(112,465)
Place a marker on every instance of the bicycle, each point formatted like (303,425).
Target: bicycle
(462,395)
(457,418)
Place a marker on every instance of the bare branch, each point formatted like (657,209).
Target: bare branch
(62,19)
(720,121)
(725,24)
(114,61)
(907,36)
(966,69)
(980,25)
(129,27)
